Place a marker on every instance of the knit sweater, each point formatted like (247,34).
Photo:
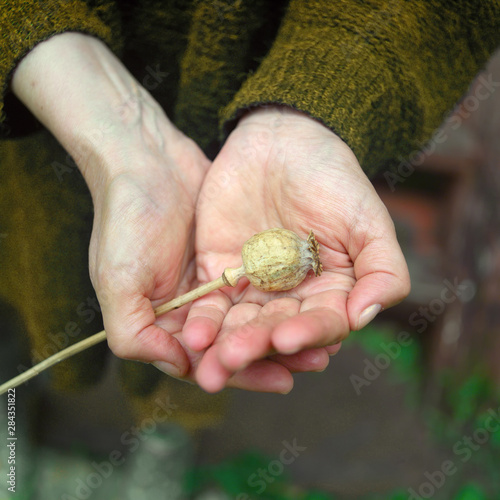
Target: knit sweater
(382,75)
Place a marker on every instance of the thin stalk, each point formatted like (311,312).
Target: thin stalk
(190,296)
(230,277)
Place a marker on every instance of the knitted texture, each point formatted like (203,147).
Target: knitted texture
(157,34)
(24,24)
(224,41)
(381,75)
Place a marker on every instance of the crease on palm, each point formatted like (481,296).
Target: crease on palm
(246,298)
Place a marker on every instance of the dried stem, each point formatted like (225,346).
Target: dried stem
(230,277)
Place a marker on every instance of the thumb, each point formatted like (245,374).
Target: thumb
(130,322)
(382,278)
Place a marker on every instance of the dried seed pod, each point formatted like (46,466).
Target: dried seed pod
(274,260)
(278,259)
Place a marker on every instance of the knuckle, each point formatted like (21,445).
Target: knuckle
(405,286)
(120,348)
(115,280)
(343,335)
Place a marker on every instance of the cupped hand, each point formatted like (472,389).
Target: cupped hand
(141,251)
(281,168)
(262,375)
(144,176)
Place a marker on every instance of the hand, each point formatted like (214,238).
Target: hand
(280,168)
(141,252)
(144,176)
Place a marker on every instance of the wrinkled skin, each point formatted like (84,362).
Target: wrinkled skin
(283,169)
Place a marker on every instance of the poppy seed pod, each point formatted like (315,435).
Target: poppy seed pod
(273,260)
(278,259)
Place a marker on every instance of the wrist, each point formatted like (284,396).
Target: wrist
(83,94)
(266,112)
(290,127)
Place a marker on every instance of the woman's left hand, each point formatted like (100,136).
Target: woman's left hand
(280,168)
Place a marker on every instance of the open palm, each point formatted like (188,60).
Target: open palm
(280,168)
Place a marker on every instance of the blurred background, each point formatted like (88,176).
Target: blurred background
(408,409)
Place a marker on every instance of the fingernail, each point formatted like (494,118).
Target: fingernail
(367,315)
(167,368)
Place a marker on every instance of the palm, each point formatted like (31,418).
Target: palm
(257,200)
(298,175)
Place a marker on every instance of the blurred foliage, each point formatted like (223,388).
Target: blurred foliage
(406,368)
(465,420)
(465,405)
(233,477)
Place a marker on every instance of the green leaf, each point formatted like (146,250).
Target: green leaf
(471,491)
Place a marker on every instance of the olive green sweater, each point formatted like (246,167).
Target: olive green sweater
(381,74)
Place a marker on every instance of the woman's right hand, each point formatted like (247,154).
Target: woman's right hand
(144,176)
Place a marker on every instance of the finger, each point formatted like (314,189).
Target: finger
(210,374)
(333,349)
(261,376)
(133,334)
(154,345)
(252,341)
(322,321)
(311,360)
(204,320)
(382,278)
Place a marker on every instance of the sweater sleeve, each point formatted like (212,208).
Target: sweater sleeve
(25,23)
(381,75)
